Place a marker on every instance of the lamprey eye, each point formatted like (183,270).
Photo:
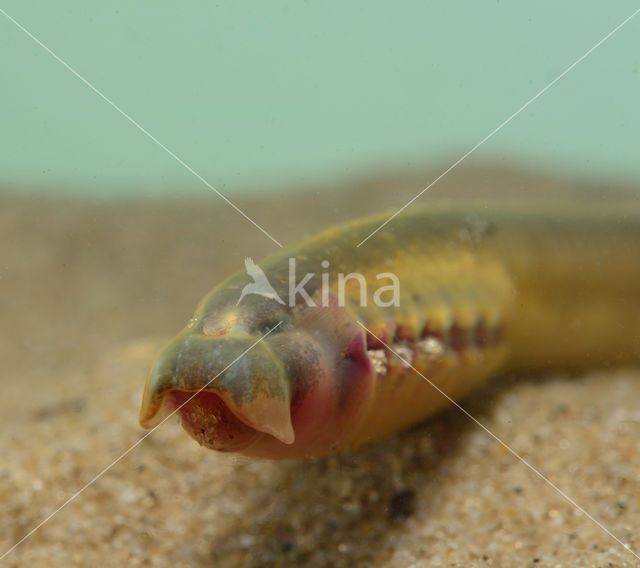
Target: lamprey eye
(274,326)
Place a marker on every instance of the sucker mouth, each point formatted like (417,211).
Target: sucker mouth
(229,401)
(210,421)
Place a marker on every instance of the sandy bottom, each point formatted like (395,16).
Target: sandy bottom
(91,290)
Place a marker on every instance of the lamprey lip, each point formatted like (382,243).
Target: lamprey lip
(222,403)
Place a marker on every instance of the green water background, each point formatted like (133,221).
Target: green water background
(261,95)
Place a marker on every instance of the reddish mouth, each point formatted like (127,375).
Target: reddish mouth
(210,422)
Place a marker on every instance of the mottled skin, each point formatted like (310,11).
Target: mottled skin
(501,290)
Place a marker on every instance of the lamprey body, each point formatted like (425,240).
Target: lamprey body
(482,291)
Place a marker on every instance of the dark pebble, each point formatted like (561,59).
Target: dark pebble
(402,505)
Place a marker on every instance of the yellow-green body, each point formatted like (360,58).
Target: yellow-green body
(562,286)
(482,291)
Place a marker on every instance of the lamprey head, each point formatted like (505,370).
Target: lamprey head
(200,376)
(263,379)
